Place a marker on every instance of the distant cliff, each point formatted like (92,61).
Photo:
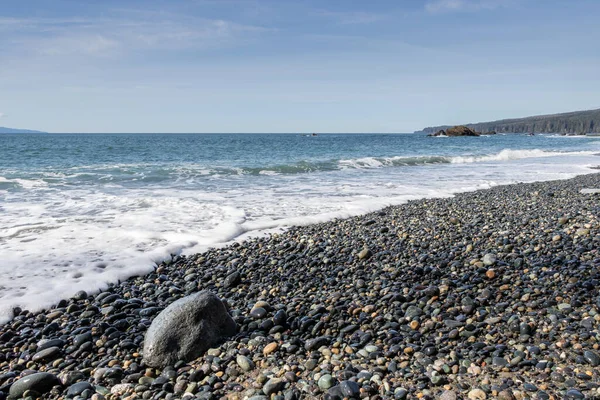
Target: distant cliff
(578,122)
(11,130)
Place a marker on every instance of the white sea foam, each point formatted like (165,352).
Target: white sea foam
(508,155)
(56,240)
(504,155)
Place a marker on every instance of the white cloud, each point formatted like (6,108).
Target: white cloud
(1,115)
(440,6)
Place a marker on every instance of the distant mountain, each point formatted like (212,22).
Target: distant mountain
(11,130)
(577,122)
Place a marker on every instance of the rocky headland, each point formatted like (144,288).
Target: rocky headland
(490,294)
(570,123)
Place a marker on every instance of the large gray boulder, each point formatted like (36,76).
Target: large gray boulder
(186,329)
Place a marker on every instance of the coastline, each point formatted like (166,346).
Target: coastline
(447,289)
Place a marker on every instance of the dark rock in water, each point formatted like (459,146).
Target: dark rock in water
(232,279)
(78,388)
(488,133)
(186,329)
(459,130)
(40,382)
(441,132)
(81,295)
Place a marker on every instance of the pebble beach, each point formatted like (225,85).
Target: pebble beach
(488,294)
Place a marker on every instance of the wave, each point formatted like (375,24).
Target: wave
(504,155)
(510,155)
(148,174)
(396,161)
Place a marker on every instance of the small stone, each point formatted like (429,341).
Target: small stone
(40,382)
(490,273)
(413,312)
(506,395)
(325,382)
(592,358)
(81,295)
(350,389)
(258,313)
(78,388)
(46,355)
(489,259)
(273,386)
(574,394)
(121,388)
(477,394)
(365,253)
(400,394)
(499,362)
(271,347)
(244,362)
(448,395)
(564,307)
(232,280)
(311,364)
(314,344)
(530,387)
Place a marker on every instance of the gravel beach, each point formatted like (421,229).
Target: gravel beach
(489,294)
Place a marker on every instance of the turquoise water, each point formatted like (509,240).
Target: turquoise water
(78,211)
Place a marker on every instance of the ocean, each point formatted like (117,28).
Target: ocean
(79,211)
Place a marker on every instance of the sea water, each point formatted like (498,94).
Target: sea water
(80,211)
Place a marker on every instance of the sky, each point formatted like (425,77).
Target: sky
(292,66)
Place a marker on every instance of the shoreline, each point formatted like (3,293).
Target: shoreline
(401,319)
(83,247)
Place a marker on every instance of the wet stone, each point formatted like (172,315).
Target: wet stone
(78,388)
(592,358)
(350,389)
(325,382)
(40,382)
(273,386)
(258,313)
(46,355)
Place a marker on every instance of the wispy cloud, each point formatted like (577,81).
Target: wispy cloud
(1,115)
(440,6)
(120,34)
(353,17)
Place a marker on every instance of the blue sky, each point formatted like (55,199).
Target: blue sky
(292,66)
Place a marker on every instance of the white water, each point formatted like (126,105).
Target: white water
(57,240)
